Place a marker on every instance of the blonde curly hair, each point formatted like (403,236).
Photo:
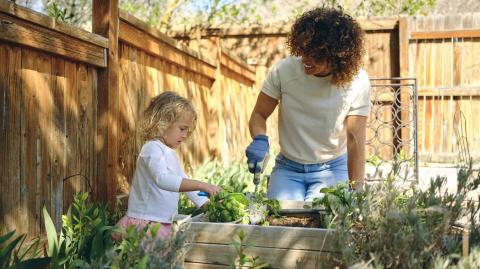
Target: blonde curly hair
(165,109)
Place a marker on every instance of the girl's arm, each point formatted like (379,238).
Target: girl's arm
(196,185)
(356,129)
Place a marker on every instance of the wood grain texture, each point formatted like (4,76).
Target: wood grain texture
(260,236)
(148,43)
(106,23)
(32,35)
(10,138)
(277,257)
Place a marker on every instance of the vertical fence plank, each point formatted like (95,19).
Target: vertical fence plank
(475,66)
(451,112)
(92,82)
(60,150)
(457,59)
(30,136)
(84,127)
(45,122)
(448,63)
(422,124)
(475,139)
(4,105)
(403,36)
(10,139)
(72,115)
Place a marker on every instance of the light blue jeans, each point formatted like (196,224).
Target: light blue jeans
(302,182)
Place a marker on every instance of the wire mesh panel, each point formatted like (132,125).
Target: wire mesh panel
(391,143)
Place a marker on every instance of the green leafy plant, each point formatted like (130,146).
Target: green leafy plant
(141,249)
(337,200)
(57,12)
(242,260)
(14,253)
(227,206)
(234,175)
(391,227)
(86,229)
(56,245)
(468,262)
(261,207)
(85,235)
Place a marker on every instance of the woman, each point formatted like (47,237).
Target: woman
(323,97)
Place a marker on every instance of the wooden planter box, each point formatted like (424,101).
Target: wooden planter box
(281,247)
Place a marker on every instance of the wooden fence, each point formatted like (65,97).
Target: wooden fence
(70,101)
(49,117)
(439,51)
(443,54)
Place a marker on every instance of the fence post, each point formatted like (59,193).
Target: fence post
(403,40)
(105,22)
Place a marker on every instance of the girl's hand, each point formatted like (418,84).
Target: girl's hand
(210,189)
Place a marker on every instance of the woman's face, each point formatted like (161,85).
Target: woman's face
(315,67)
(178,131)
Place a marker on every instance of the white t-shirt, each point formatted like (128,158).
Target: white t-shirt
(312,111)
(154,192)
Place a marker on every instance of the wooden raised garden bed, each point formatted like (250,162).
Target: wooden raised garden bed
(281,247)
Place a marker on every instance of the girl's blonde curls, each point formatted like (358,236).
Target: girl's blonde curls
(164,109)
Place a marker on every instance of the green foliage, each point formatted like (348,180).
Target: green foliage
(261,207)
(119,211)
(234,175)
(85,235)
(337,200)
(392,227)
(75,12)
(86,229)
(190,14)
(227,206)
(85,241)
(273,205)
(469,262)
(15,254)
(384,7)
(150,12)
(141,249)
(242,260)
(57,12)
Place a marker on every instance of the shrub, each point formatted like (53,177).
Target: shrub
(142,250)
(389,227)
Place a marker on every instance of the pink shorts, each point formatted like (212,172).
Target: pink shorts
(164,231)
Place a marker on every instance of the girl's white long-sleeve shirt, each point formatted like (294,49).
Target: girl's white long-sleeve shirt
(154,192)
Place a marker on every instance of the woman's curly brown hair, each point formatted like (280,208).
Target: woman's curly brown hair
(329,34)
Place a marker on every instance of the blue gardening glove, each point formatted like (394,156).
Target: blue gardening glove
(256,152)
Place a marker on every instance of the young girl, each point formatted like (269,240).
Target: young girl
(167,122)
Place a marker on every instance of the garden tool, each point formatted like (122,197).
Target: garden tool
(202,193)
(257,175)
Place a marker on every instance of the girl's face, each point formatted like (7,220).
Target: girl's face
(178,131)
(315,67)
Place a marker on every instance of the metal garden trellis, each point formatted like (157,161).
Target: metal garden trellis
(392,139)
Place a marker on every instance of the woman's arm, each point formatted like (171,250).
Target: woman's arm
(356,129)
(263,109)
